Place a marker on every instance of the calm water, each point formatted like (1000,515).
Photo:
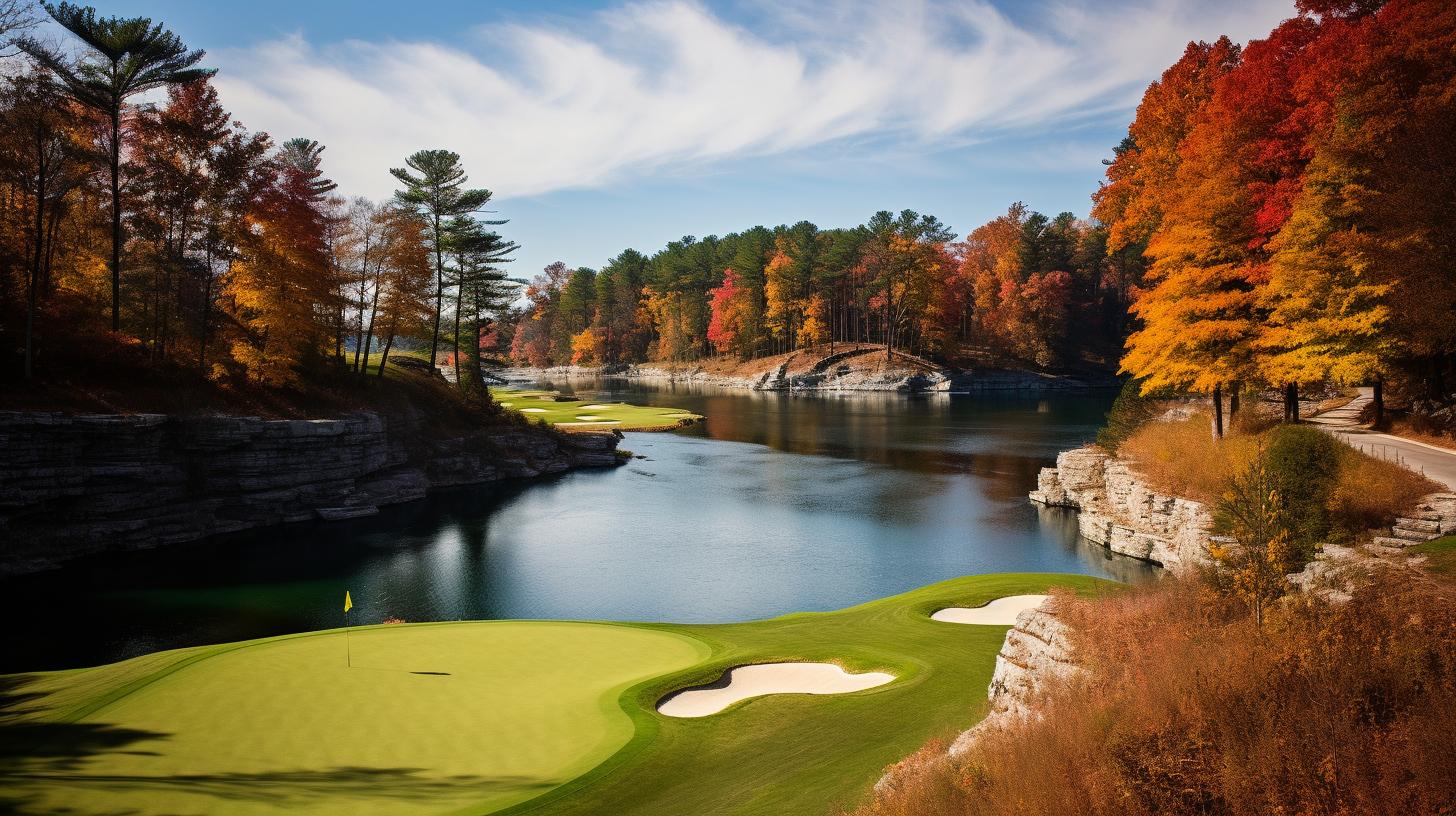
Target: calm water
(775,504)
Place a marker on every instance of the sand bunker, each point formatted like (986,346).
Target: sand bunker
(533,410)
(595,407)
(743,682)
(594,418)
(1000,612)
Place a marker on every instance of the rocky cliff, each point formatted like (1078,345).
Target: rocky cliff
(1037,649)
(1121,513)
(75,484)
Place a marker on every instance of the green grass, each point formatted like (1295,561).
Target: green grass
(1440,555)
(532,717)
(570,414)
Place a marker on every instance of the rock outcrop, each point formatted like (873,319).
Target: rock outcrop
(1036,650)
(1118,511)
(841,372)
(72,484)
(1433,518)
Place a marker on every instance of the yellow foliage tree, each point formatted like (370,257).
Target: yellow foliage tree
(815,328)
(586,347)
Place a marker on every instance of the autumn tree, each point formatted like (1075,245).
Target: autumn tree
(729,305)
(281,288)
(126,56)
(43,159)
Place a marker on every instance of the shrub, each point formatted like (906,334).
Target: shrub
(1303,464)
(1264,549)
(1187,708)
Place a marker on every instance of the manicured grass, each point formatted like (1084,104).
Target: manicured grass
(282,724)
(570,414)
(1440,556)
(532,717)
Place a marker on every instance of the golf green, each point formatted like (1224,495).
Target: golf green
(501,716)
(569,414)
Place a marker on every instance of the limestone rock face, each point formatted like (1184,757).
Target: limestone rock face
(1121,513)
(74,484)
(1037,649)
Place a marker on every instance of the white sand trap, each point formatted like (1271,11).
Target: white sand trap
(594,418)
(533,410)
(596,407)
(1000,612)
(767,678)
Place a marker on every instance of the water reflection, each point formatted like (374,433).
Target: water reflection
(777,503)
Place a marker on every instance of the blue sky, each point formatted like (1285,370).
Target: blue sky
(601,126)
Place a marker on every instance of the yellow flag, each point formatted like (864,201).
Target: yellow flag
(348,602)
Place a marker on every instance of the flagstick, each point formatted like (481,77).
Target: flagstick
(348,645)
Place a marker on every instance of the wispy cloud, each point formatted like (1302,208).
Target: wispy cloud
(538,107)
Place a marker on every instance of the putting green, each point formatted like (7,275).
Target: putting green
(508,710)
(503,717)
(578,414)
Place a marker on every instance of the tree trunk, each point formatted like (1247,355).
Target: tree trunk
(1218,411)
(1291,402)
(439,296)
(31,287)
(455,340)
(368,340)
(388,343)
(1234,388)
(116,219)
(205,310)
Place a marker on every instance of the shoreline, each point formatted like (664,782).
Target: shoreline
(899,380)
(73,485)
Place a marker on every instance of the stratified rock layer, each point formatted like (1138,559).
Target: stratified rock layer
(76,484)
(1121,513)
(1037,650)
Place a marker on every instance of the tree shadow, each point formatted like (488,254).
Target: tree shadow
(37,754)
(30,744)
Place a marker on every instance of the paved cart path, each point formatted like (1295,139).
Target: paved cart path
(1436,463)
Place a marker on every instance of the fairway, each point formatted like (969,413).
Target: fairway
(503,716)
(569,414)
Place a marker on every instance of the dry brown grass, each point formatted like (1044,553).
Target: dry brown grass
(1371,492)
(1188,708)
(1420,433)
(1183,459)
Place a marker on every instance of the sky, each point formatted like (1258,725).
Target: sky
(606,125)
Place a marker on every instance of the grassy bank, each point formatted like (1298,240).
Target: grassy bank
(501,716)
(571,414)
(1440,556)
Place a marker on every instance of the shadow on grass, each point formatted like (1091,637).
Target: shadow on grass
(37,754)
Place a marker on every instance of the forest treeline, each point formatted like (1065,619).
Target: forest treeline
(167,232)
(1278,215)
(1293,202)
(1012,289)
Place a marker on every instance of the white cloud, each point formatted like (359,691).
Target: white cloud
(582,103)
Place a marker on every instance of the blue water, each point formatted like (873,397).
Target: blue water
(775,504)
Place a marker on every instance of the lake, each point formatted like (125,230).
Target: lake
(777,503)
